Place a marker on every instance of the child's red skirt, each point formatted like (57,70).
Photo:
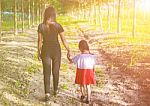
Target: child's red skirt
(85,76)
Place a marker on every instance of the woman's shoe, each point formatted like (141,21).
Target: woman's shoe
(55,93)
(47,96)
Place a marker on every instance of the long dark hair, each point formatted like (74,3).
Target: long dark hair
(49,13)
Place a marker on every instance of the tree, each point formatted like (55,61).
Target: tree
(37,12)
(119,29)
(0,20)
(33,12)
(114,8)
(108,15)
(15,17)
(100,17)
(134,18)
(29,14)
(40,11)
(22,9)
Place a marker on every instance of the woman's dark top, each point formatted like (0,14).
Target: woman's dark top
(51,44)
(50,35)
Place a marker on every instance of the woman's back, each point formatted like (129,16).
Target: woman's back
(50,35)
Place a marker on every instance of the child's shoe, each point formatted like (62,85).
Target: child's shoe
(82,98)
(87,101)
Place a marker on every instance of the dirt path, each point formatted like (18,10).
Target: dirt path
(114,87)
(105,93)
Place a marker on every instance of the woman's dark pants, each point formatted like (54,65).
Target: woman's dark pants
(51,59)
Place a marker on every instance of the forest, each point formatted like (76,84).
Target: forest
(117,31)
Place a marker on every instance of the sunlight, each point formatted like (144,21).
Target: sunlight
(145,5)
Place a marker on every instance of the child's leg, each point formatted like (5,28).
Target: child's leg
(82,90)
(88,89)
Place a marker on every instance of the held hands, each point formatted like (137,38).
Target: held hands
(68,56)
(39,56)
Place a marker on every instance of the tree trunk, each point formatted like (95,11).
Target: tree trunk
(134,19)
(119,29)
(22,9)
(15,17)
(93,11)
(79,10)
(40,11)
(29,14)
(85,6)
(108,15)
(114,10)
(90,13)
(37,13)
(97,14)
(0,21)
(100,15)
(33,13)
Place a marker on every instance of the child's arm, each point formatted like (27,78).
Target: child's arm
(70,60)
(74,59)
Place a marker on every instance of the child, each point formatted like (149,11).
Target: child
(85,70)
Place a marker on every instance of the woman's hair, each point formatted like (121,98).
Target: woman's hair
(83,45)
(49,13)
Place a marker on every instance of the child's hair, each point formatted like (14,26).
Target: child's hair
(83,45)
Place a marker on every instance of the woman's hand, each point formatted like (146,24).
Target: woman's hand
(68,55)
(69,58)
(39,56)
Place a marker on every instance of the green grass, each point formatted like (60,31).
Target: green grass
(23,34)
(8,22)
(65,86)
(100,75)
(33,68)
(125,39)
(64,67)
(68,21)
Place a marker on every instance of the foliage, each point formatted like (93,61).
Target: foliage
(57,4)
(65,86)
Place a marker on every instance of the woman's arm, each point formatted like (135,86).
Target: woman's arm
(65,44)
(40,39)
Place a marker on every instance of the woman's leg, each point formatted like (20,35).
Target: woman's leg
(56,60)
(46,72)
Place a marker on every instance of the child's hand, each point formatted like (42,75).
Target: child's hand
(69,59)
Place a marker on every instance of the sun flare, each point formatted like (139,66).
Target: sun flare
(145,5)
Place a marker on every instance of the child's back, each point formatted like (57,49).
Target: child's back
(85,69)
(85,61)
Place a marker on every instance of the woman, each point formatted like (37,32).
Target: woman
(49,49)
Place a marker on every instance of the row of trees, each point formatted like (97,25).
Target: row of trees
(116,15)
(110,13)
(23,12)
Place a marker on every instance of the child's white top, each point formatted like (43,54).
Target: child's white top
(85,61)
